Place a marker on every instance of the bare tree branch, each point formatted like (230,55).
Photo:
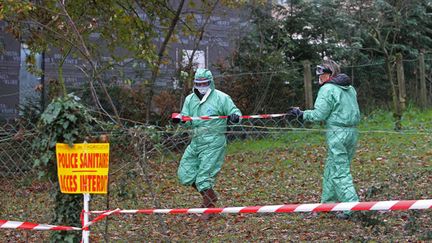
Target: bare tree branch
(92,63)
(155,69)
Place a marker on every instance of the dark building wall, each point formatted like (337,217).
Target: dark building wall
(9,75)
(220,39)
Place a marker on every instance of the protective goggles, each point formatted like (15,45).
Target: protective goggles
(320,70)
(202,82)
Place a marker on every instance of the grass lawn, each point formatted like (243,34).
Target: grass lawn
(286,167)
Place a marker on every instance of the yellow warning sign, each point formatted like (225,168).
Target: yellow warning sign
(83,168)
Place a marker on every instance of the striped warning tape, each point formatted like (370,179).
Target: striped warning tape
(190,118)
(6,224)
(292,208)
(100,217)
(287,208)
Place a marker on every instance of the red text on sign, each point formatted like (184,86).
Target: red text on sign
(68,183)
(68,160)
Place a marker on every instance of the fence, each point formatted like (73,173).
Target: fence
(268,161)
(16,149)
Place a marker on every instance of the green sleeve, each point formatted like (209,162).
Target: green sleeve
(323,106)
(186,112)
(230,107)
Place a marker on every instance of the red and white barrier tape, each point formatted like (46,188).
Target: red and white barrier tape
(100,217)
(32,226)
(6,224)
(292,208)
(287,208)
(190,118)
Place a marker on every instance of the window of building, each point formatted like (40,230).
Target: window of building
(28,81)
(199,59)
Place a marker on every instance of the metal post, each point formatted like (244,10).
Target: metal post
(86,233)
(423,89)
(307,78)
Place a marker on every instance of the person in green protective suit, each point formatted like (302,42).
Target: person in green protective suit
(336,104)
(204,156)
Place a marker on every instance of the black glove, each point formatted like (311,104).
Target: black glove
(176,120)
(295,111)
(234,118)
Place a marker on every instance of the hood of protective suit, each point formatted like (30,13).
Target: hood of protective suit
(204,73)
(341,79)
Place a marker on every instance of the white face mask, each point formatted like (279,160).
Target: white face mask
(202,85)
(202,90)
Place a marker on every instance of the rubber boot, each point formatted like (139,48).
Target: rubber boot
(209,201)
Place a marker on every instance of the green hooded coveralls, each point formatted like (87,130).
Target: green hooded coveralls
(336,104)
(204,156)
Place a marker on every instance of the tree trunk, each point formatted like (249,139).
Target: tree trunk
(401,82)
(156,67)
(423,89)
(397,114)
(60,74)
